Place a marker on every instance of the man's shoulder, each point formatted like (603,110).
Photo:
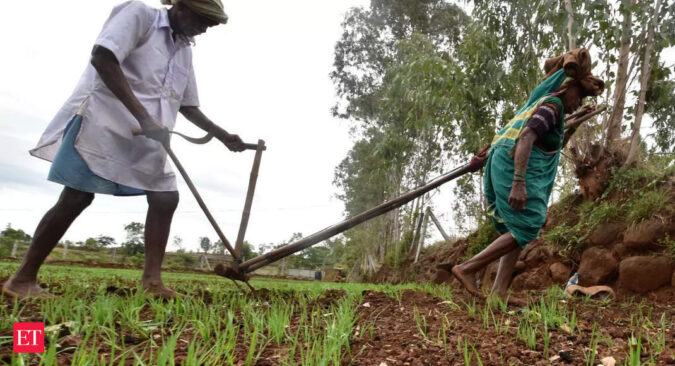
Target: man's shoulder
(137,8)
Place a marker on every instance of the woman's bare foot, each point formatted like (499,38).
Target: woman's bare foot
(158,290)
(24,290)
(468,280)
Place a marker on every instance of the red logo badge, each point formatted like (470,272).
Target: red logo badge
(29,337)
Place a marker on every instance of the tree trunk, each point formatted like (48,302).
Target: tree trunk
(644,82)
(423,232)
(614,124)
(570,24)
(14,247)
(438,224)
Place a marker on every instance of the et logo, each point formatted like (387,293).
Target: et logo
(29,337)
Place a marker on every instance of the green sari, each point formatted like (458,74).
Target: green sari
(541,167)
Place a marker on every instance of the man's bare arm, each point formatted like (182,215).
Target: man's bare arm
(199,119)
(108,68)
(518,195)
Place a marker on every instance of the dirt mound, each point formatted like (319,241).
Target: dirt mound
(624,239)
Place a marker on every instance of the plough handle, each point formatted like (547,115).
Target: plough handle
(247,146)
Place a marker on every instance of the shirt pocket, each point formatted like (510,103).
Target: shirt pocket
(180,80)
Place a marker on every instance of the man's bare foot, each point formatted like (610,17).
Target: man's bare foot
(24,290)
(468,280)
(158,290)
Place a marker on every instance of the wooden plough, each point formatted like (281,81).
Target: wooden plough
(240,269)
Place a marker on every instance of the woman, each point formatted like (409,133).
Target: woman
(522,164)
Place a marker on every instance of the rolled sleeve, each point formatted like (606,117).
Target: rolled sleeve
(543,119)
(191,96)
(127,24)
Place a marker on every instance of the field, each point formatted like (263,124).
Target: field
(101,318)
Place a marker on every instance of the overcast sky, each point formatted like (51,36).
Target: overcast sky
(263,75)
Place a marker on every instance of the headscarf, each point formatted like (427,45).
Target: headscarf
(577,65)
(212,9)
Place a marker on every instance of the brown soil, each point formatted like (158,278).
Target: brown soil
(387,331)
(396,339)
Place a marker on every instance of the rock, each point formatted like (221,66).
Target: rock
(645,236)
(598,267)
(608,361)
(520,266)
(560,273)
(536,256)
(514,361)
(566,356)
(606,234)
(72,340)
(490,274)
(621,251)
(442,276)
(536,279)
(644,273)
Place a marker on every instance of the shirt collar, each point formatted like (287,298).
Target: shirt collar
(163,22)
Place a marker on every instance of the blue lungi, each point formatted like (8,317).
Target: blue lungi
(69,169)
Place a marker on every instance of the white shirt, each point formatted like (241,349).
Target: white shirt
(161,76)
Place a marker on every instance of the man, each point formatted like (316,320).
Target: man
(522,164)
(140,75)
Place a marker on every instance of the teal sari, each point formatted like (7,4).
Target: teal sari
(541,168)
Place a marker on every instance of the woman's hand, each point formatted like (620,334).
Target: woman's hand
(518,195)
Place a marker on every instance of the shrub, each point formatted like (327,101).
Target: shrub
(645,205)
(484,235)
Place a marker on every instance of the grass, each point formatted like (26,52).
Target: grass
(114,328)
(633,196)
(291,322)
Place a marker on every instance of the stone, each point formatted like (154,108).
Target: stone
(566,355)
(645,235)
(606,234)
(621,251)
(536,256)
(442,276)
(645,273)
(490,274)
(537,279)
(598,267)
(560,273)
(520,266)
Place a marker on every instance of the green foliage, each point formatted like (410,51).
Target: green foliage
(669,244)
(484,235)
(205,244)
(634,194)
(14,234)
(103,241)
(247,251)
(187,260)
(645,205)
(135,243)
(397,256)
(660,105)
(564,235)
